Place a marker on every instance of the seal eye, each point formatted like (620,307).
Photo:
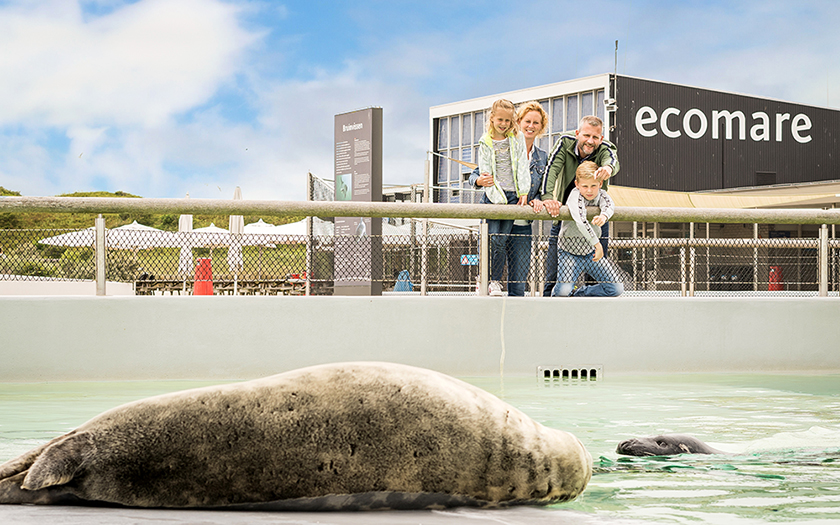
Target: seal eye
(660,443)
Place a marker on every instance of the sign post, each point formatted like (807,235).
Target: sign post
(358,177)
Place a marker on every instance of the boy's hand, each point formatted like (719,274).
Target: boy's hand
(485,179)
(599,252)
(600,220)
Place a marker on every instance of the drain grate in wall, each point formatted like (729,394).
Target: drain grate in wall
(570,373)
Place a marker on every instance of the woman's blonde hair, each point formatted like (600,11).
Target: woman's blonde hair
(503,104)
(526,108)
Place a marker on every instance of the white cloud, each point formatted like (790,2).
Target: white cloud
(138,65)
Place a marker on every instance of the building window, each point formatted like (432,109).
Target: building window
(599,106)
(557,115)
(454,131)
(479,126)
(466,136)
(586,104)
(571,112)
(442,125)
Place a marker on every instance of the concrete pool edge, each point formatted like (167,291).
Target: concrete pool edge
(137,338)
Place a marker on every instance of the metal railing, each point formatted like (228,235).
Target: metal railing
(424,261)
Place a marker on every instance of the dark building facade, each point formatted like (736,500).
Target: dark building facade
(681,138)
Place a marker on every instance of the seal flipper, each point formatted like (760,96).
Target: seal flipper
(11,493)
(21,463)
(59,463)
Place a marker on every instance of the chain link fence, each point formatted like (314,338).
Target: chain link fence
(444,261)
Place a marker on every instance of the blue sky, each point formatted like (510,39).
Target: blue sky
(164,97)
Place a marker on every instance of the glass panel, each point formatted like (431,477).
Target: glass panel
(454,131)
(466,136)
(544,104)
(443,172)
(599,104)
(557,114)
(542,143)
(478,129)
(442,125)
(554,139)
(466,155)
(454,167)
(455,194)
(586,104)
(571,112)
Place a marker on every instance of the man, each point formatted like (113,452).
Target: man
(568,152)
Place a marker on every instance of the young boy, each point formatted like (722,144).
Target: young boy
(578,249)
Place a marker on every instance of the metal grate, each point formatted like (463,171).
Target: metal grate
(570,373)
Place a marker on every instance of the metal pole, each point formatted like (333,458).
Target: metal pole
(635,257)
(309,195)
(424,253)
(683,291)
(755,259)
(534,258)
(484,259)
(692,262)
(424,258)
(823,264)
(100,255)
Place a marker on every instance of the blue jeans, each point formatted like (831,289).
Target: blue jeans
(499,231)
(518,259)
(570,266)
(551,259)
(551,255)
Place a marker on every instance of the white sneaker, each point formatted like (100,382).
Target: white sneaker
(495,289)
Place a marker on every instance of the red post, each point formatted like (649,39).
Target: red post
(203,277)
(775,283)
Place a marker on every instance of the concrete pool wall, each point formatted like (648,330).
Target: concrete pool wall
(218,337)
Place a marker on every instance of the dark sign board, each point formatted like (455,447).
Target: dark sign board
(681,138)
(358,177)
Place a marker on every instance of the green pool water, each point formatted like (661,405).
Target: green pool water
(782,433)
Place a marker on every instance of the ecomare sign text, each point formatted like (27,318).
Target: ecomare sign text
(694,123)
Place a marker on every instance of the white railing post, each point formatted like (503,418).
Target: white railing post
(683,290)
(691,261)
(755,259)
(484,259)
(823,263)
(309,244)
(424,247)
(99,255)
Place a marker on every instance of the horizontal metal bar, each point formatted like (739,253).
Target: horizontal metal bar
(712,243)
(265,208)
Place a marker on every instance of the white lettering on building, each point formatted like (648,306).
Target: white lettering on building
(352,127)
(695,124)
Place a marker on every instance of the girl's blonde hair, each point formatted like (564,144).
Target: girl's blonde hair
(503,104)
(533,105)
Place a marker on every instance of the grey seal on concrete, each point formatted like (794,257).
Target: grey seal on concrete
(665,445)
(345,436)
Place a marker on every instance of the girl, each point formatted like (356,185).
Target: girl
(504,172)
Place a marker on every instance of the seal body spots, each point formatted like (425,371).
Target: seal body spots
(341,436)
(665,445)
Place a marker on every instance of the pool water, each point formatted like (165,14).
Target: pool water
(782,433)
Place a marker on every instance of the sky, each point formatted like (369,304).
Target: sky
(160,98)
